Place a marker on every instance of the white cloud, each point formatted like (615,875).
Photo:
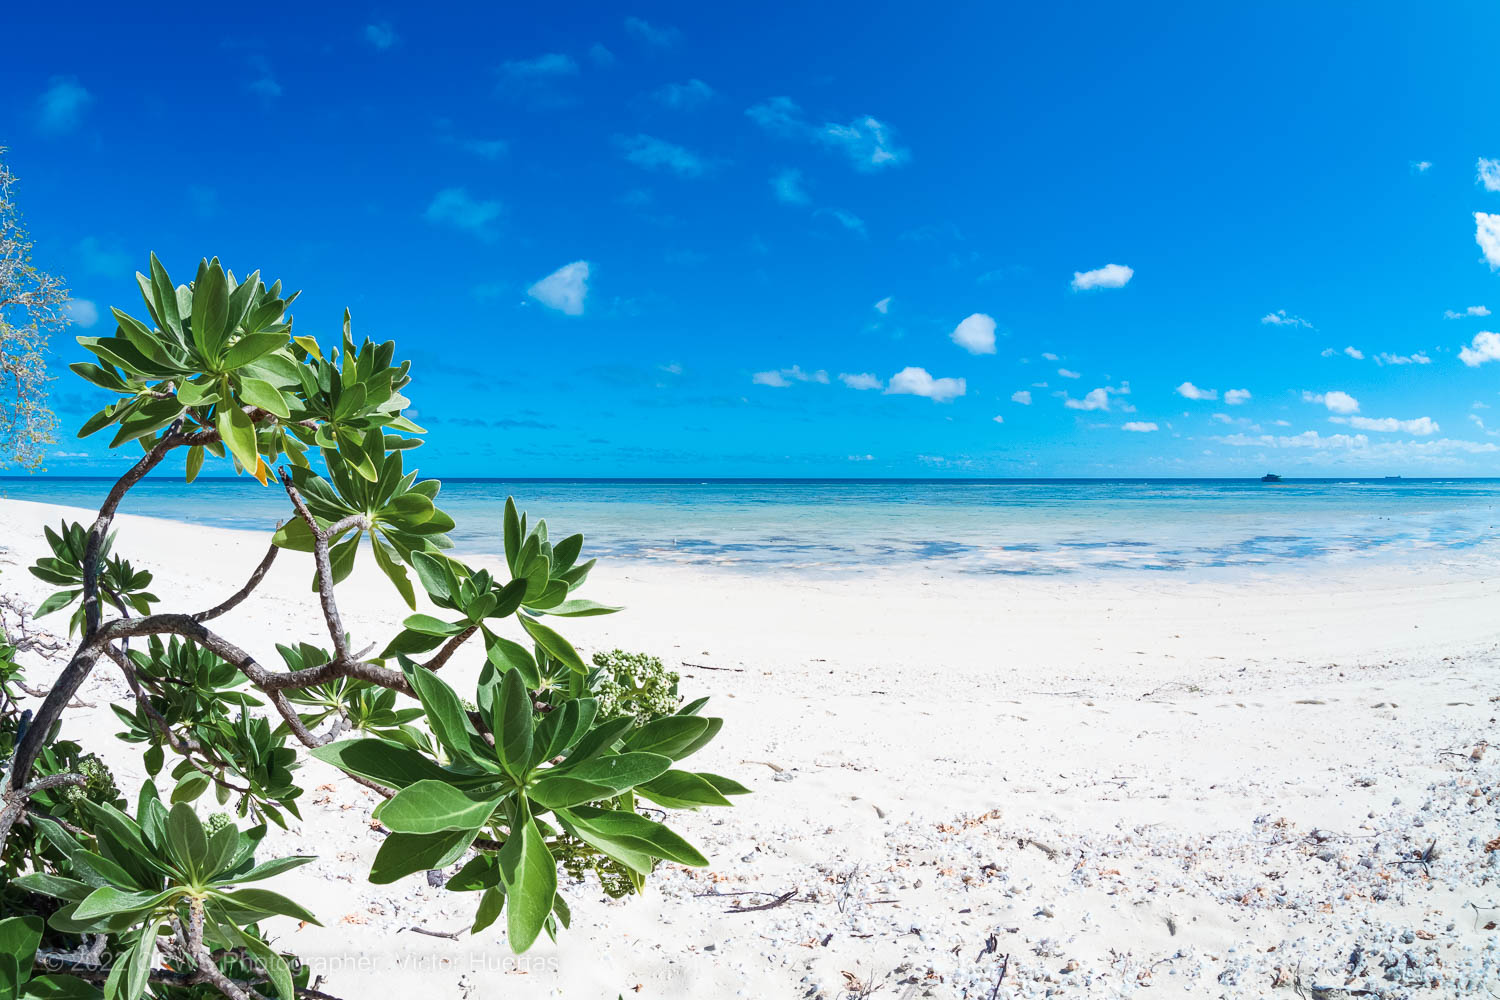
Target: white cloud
(1188,390)
(867,141)
(999,419)
(549,65)
(1471,311)
(861,458)
(1487,235)
(848,220)
(62,104)
(1022,396)
(1234,397)
(83,312)
(787,184)
(1281,318)
(1421,166)
(651,153)
(1420,426)
(1359,445)
(1139,426)
(1336,401)
(884,305)
(1108,276)
(786,376)
(455,207)
(1049,356)
(381,35)
(684,96)
(1355,353)
(651,34)
(1095,399)
(1484,347)
(861,380)
(1488,174)
(912,381)
(564,289)
(1418,358)
(975,334)
(1069,373)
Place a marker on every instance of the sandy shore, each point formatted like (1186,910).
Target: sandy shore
(1106,787)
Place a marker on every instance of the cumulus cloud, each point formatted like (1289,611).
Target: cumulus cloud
(684,96)
(651,153)
(1049,356)
(381,35)
(975,334)
(1487,235)
(1484,347)
(912,381)
(787,185)
(1108,276)
(548,65)
(1094,399)
(82,312)
(1022,396)
(62,104)
(1418,358)
(454,207)
(1465,314)
(652,34)
(848,220)
(1355,353)
(1188,390)
(1282,318)
(784,377)
(1421,166)
(1488,174)
(1336,401)
(1234,397)
(564,289)
(999,419)
(868,142)
(861,380)
(1420,426)
(1069,373)
(1139,426)
(884,305)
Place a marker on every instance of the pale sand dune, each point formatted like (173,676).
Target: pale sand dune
(1172,744)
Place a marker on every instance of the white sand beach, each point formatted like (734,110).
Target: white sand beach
(1113,785)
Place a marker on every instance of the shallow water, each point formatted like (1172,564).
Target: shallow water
(1021,527)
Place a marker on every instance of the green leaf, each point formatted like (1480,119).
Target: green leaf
(621,771)
(556,646)
(512,724)
(274,867)
(558,791)
(401,854)
(428,625)
(258,392)
(295,535)
(60,987)
(107,901)
(445,713)
(490,905)
(186,841)
(382,762)
(192,785)
(434,806)
(390,564)
(681,790)
(194,462)
(269,903)
(253,347)
(210,311)
(238,432)
(668,735)
(582,609)
(626,832)
(530,878)
(508,655)
(20,936)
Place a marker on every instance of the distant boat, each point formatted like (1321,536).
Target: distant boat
(1393,477)
(1270,477)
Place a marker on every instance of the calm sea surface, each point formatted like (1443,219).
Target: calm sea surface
(993,526)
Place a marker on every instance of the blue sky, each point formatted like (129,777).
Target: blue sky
(816,240)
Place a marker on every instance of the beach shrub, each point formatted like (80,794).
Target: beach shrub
(548,762)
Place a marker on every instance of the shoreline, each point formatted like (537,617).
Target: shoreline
(1102,772)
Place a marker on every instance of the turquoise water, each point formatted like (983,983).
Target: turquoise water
(1005,526)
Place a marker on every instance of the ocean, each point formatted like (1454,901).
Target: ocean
(1018,527)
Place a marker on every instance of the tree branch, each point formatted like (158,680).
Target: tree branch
(229,603)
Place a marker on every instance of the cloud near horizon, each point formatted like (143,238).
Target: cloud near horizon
(913,381)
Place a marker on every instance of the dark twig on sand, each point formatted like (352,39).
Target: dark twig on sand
(781,900)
